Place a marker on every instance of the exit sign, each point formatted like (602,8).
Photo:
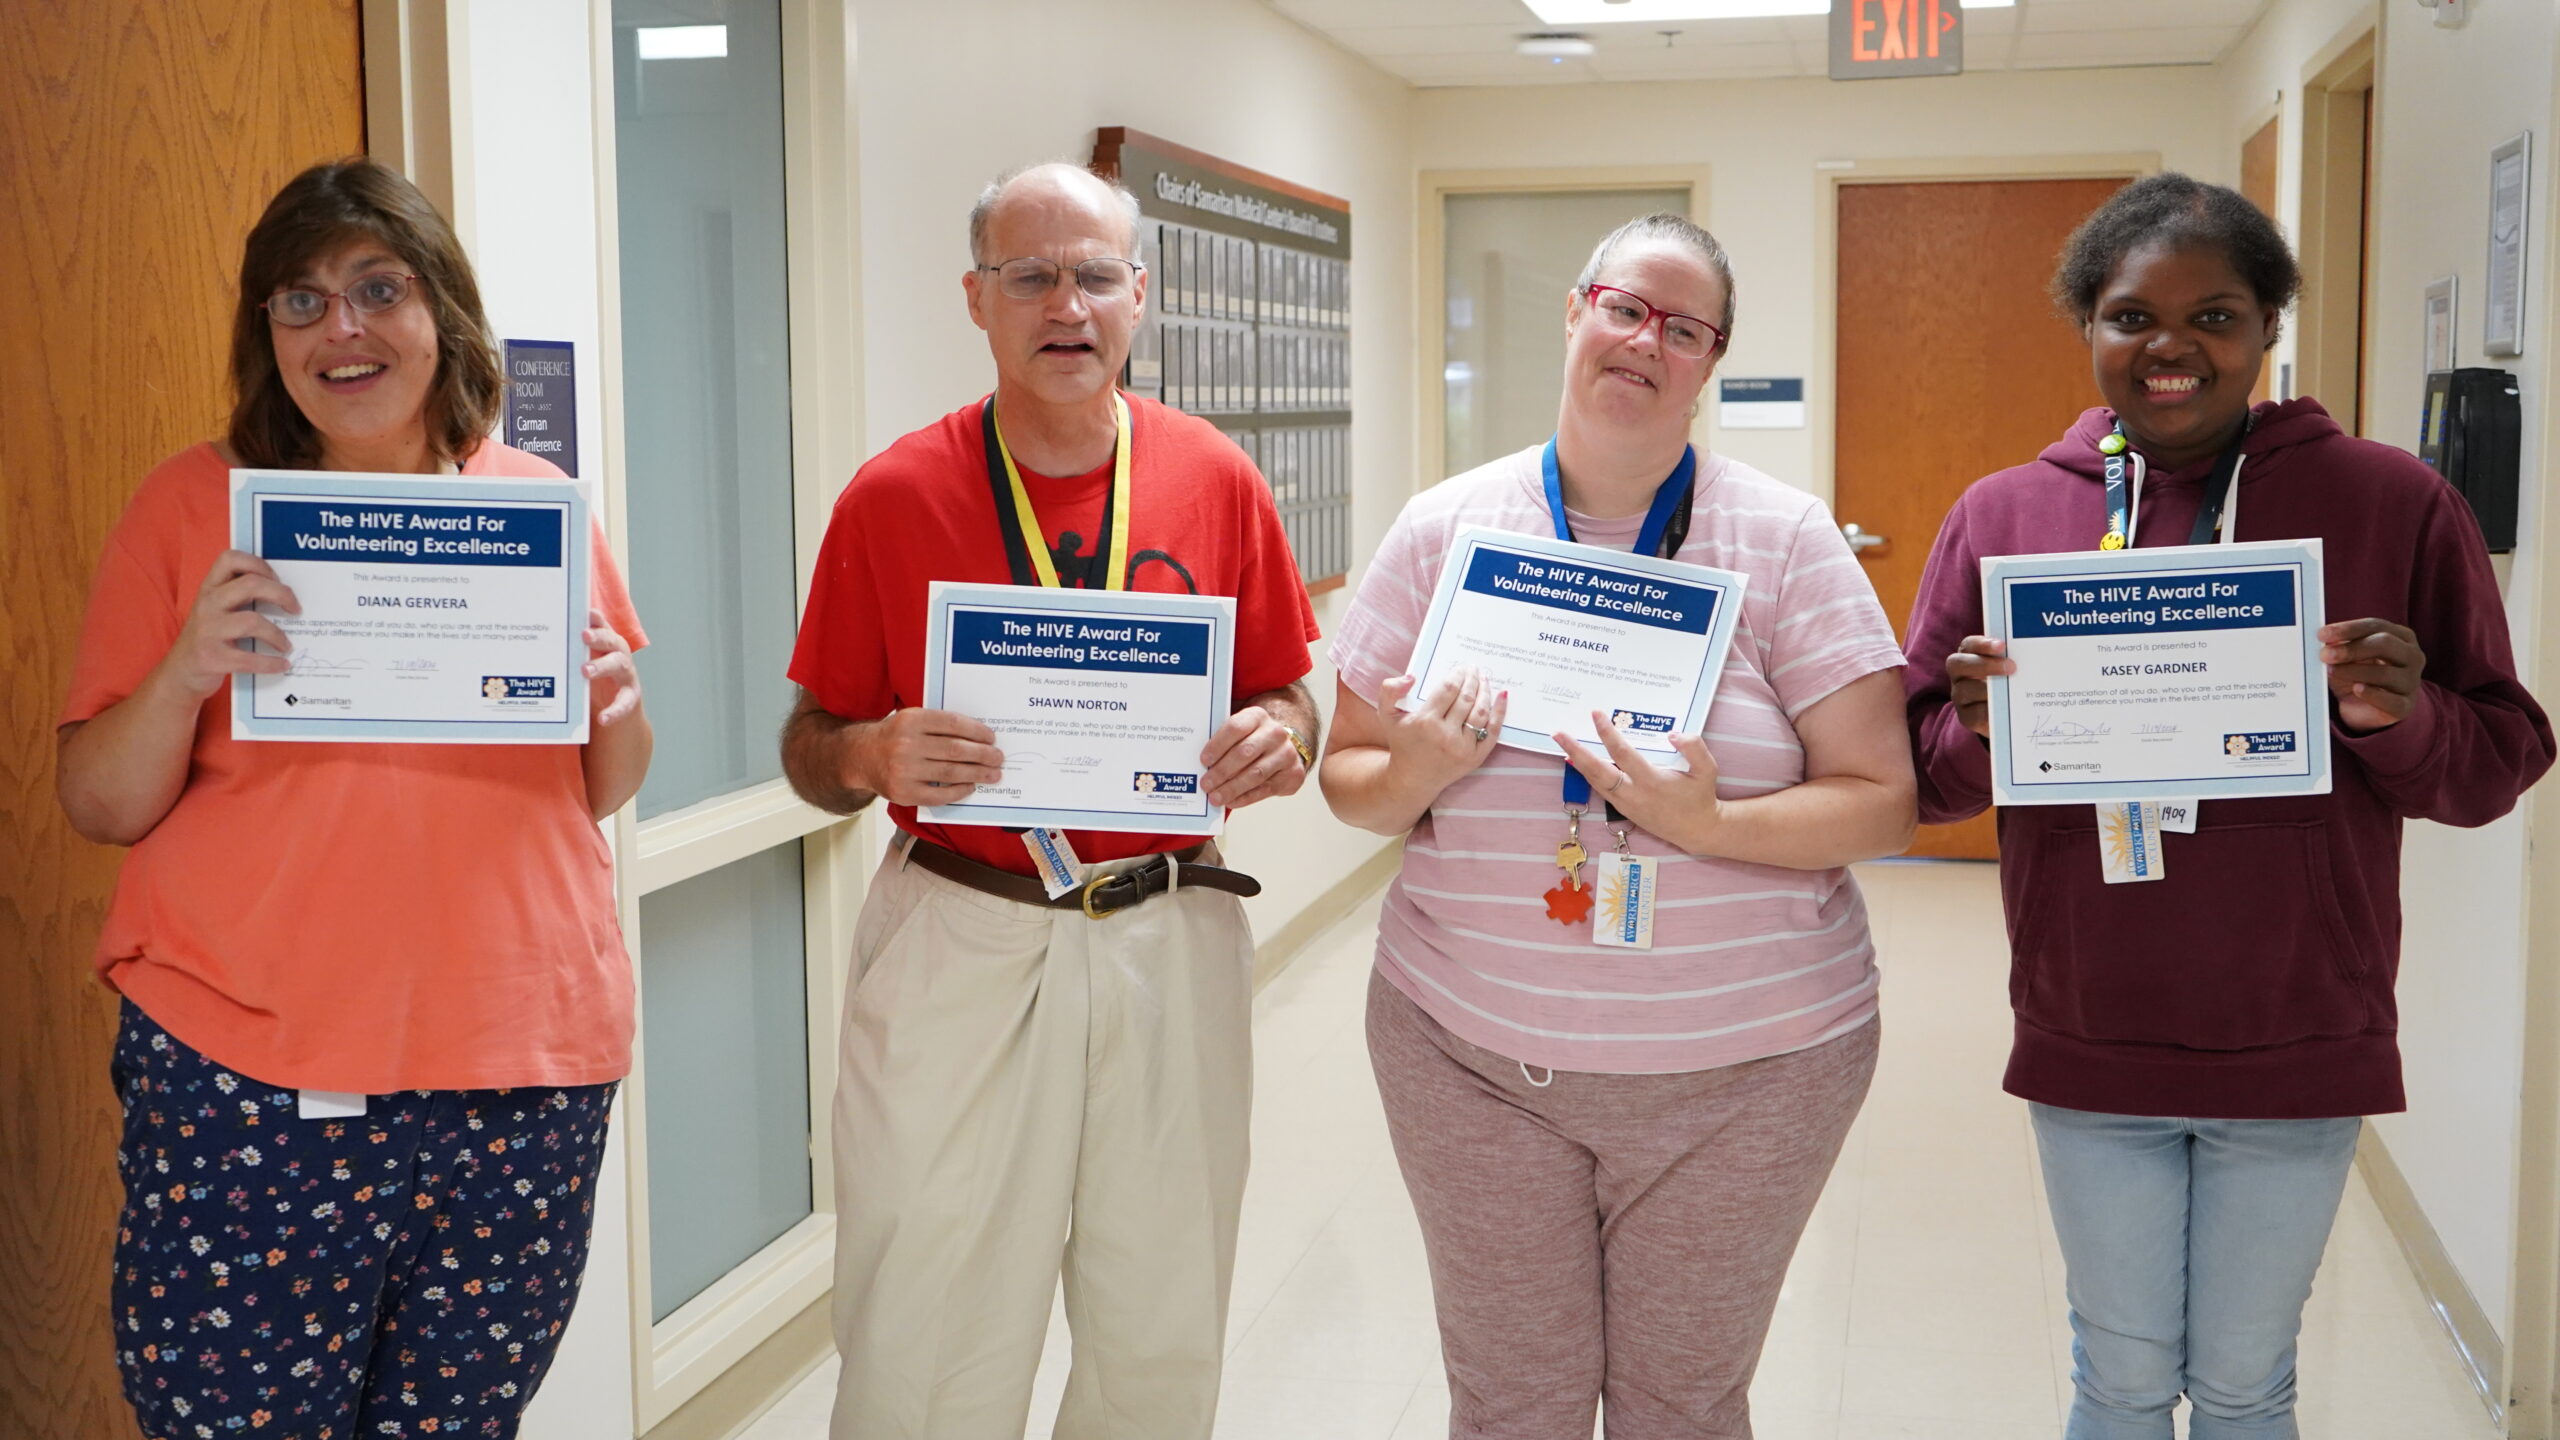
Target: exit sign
(1878,39)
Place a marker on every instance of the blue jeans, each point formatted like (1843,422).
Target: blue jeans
(2189,1247)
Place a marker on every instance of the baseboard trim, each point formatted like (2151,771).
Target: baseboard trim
(739,1395)
(1322,913)
(2475,1339)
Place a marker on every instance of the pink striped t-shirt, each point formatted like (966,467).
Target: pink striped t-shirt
(1748,960)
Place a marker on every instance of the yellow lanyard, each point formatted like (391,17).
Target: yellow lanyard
(1115,510)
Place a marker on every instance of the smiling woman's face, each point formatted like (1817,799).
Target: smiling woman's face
(1631,380)
(2177,340)
(361,380)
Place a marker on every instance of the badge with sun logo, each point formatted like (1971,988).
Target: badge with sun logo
(2129,841)
(1624,916)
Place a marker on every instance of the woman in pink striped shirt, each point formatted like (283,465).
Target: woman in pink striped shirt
(1613,1150)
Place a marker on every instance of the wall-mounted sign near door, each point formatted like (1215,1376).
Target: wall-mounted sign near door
(1881,39)
(542,400)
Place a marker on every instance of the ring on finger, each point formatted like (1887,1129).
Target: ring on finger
(1480,732)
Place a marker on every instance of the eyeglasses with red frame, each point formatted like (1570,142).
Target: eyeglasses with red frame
(1623,312)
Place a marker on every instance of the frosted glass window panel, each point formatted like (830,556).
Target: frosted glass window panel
(725,1029)
(706,384)
(1510,261)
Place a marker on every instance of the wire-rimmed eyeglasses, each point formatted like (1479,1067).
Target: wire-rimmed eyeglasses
(1032,278)
(366,295)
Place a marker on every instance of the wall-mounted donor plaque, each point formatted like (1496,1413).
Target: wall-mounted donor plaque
(1248,325)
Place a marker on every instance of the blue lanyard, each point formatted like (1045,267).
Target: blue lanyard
(1667,519)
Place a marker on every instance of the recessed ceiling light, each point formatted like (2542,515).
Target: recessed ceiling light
(1618,12)
(1555,47)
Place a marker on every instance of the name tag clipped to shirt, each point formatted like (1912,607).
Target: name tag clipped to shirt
(1626,893)
(1055,860)
(2129,841)
(328,1104)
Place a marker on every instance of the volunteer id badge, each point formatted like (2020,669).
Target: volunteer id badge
(2129,841)
(1624,916)
(1055,859)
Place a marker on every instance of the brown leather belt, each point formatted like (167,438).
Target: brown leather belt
(1097,897)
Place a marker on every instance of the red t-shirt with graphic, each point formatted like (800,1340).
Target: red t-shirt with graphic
(1201,523)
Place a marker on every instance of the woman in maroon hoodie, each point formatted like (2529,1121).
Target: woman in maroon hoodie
(2197,1053)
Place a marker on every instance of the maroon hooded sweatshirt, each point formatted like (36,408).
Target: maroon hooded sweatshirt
(2254,979)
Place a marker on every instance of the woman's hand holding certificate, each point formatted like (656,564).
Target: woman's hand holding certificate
(1566,630)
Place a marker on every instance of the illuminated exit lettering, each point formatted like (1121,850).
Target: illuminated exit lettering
(1876,39)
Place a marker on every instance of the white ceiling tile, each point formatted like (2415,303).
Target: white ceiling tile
(2040,17)
(1328,14)
(2124,47)
(1701,63)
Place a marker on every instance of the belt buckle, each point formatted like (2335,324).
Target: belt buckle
(1093,888)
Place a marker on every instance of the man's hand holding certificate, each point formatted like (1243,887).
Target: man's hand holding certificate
(1100,701)
(2190,672)
(1569,629)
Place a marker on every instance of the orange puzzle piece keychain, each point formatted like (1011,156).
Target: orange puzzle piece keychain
(1570,901)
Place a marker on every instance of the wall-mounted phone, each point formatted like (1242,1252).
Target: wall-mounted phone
(2473,435)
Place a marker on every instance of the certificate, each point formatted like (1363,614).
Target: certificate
(1569,629)
(434,609)
(2186,672)
(1101,701)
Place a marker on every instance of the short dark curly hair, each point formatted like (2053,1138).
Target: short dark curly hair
(2179,211)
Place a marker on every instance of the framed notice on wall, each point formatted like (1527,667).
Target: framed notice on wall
(2502,318)
(1248,325)
(2442,314)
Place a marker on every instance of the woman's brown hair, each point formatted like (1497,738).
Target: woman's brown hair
(316,212)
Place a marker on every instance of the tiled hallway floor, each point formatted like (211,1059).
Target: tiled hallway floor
(1924,1304)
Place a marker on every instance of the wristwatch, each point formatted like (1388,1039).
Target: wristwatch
(1298,742)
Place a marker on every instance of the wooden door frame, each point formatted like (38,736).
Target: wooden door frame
(1822,411)
(1432,189)
(2331,347)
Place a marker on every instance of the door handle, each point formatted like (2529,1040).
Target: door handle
(1859,539)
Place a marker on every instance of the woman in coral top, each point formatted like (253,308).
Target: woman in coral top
(375,999)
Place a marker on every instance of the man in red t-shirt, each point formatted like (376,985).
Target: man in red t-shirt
(1025,1088)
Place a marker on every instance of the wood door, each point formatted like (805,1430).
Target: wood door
(2258,184)
(1952,364)
(138,141)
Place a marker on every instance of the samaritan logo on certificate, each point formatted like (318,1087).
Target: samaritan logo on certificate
(1101,701)
(2186,672)
(1570,628)
(433,609)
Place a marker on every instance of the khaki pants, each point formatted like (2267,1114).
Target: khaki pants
(1023,1092)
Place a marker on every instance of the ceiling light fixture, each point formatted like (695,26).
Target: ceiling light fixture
(1558,48)
(1621,12)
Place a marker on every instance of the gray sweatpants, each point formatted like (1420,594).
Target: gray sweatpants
(1617,1235)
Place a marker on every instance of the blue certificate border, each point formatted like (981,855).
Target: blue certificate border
(1730,587)
(944,597)
(250,487)
(2302,557)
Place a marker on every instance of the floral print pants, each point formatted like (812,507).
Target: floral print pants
(405,1272)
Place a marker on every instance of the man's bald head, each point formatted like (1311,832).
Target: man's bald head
(1051,181)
